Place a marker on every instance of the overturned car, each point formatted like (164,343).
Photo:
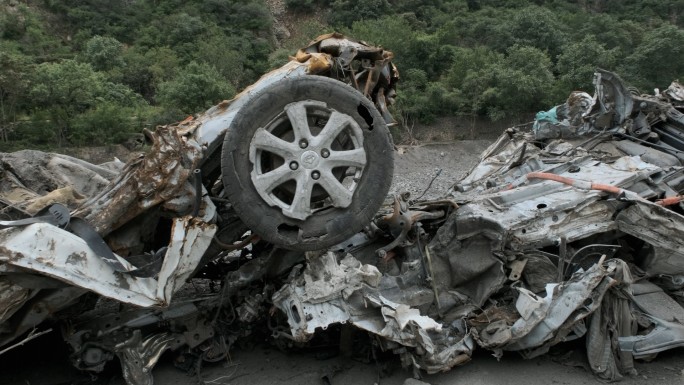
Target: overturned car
(300,160)
(270,206)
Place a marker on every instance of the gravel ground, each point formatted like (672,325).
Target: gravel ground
(416,166)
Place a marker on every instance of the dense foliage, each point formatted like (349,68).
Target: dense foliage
(88,72)
(501,58)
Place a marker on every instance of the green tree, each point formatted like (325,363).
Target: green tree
(194,88)
(13,23)
(454,56)
(13,88)
(26,26)
(468,60)
(578,62)
(103,53)
(412,48)
(535,27)
(521,82)
(121,95)
(107,122)
(644,10)
(422,100)
(301,5)
(65,89)
(182,28)
(486,27)
(659,58)
(345,12)
(220,52)
(613,33)
(146,69)
(238,15)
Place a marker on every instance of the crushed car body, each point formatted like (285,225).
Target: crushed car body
(264,216)
(303,156)
(568,230)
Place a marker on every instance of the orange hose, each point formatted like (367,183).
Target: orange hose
(549,176)
(670,201)
(574,182)
(606,187)
(598,186)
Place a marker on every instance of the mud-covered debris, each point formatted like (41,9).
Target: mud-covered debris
(267,206)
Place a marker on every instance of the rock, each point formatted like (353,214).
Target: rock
(281,32)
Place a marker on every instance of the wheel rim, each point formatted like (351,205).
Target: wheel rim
(308,158)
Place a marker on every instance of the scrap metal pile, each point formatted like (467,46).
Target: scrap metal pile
(570,230)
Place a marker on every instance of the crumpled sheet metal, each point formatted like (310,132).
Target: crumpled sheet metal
(611,321)
(319,296)
(33,180)
(209,128)
(138,356)
(467,264)
(541,319)
(318,58)
(190,238)
(566,120)
(536,324)
(329,292)
(675,91)
(665,335)
(653,120)
(336,45)
(568,305)
(508,152)
(40,173)
(472,251)
(158,179)
(534,214)
(12,296)
(600,290)
(520,264)
(118,205)
(60,254)
(39,308)
(659,227)
(612,105)
(559,233)
(337,51)
(666,315)
(521,215)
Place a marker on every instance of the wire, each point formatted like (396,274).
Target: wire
(430,184)
(666,149)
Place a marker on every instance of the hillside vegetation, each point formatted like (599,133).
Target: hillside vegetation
(92,72)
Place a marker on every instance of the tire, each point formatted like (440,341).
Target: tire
(257,169)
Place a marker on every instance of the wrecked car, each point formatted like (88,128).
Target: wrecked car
(300,160)
(564,230)
(567,229)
